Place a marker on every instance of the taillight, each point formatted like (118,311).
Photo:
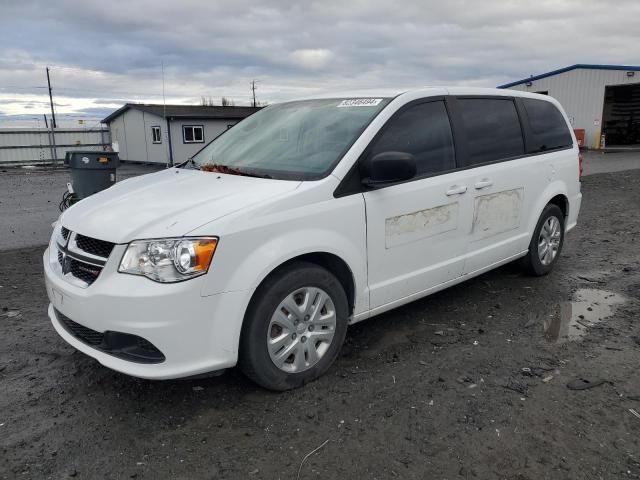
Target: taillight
(580,167)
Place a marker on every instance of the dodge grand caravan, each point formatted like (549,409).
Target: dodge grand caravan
(304,218)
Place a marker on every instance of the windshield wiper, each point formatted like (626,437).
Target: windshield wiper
(253,174)
(216,168)
(185,164)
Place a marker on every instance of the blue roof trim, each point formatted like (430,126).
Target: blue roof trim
(628,68)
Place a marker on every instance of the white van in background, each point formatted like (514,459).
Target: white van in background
(304,218)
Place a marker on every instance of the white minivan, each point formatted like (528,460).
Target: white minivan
(304,218)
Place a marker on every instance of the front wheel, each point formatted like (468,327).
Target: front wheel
(294,327)
(546,243)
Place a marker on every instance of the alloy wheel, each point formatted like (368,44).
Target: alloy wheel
(549,240)
(301,329)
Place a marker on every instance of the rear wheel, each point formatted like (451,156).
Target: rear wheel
(294,327)
(546,243)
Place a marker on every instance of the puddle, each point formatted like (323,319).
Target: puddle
(572,320)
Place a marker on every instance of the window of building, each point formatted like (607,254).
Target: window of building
(492,129)
(193,134)
(548,127)
(422,130)
(156,135)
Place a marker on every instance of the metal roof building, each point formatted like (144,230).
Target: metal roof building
(602,100)
(168,134)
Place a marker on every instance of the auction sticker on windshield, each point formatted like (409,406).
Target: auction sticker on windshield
(360,102)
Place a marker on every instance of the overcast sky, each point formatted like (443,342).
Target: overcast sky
(103,54)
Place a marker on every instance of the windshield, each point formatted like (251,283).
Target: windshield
(298,140)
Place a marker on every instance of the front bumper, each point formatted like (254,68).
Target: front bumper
(196,334)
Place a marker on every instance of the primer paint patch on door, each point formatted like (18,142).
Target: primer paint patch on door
(411,227)
(497,213)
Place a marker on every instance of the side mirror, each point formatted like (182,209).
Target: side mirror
(387,168)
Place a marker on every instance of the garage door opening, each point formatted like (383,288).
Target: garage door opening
(621,116)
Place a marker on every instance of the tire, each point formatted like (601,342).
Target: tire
(534,262)
(289,307)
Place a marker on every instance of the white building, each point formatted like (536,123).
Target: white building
(168,134)
(601,99)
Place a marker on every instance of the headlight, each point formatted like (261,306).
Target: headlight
(55,241)
(169,260)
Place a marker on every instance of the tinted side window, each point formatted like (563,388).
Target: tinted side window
(548,127)
(492,129)
(422,130)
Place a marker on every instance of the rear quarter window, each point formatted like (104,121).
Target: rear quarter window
(491,127)
(548,128)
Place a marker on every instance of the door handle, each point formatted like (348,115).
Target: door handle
(456,190)
(484,183)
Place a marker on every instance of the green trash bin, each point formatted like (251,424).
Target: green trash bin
(91,171)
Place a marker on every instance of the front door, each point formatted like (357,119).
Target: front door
(415,237)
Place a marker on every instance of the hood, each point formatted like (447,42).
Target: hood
(170,203)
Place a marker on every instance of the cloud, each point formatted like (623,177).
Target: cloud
(97,112)
(111,101)
(114,51)
(311,58)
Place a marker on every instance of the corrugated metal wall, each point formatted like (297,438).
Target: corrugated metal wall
(581,93)
(26,145)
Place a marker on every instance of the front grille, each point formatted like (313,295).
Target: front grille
(122,345)
(146,346)
(84,271)
(82,333)
(82,257)
(100,248)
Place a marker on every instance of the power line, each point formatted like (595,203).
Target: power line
(101,92)
(108,94)
(252,96)
(21,87)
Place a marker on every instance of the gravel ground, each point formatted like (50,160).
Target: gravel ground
(29,199)
(472,382)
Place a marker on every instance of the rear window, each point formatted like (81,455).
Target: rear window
(547,125)
(492,129)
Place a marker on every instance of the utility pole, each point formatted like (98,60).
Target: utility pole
(253,93)
(52,141)
(53,115)
(167,121)
(54,152)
